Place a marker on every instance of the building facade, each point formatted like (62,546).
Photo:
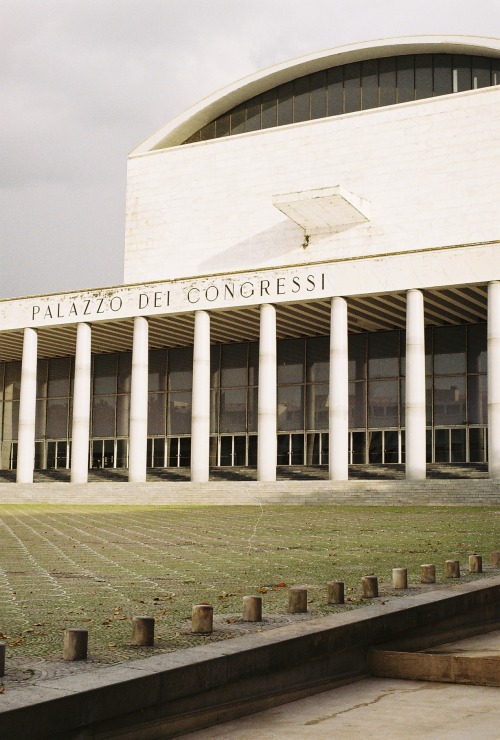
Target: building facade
(312,277)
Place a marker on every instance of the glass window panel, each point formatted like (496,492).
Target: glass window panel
(428,400)
(215,365)
(1,420)
(301,100)
(180,368)
(10,419)
(428,351)
(335,91)
(449,400)
(481,72)
(222,125)
(283,452)
(214,411)
(184,452)
(39,450)
(122,415)
(317,406)
(357,356)
(449,350)
(253,114)
(406,78)
(477,448)
(252,409)
(269,109)
(318,359)
(358,451)
(2,372)
(157,413)
(194,138)
(233,410)
(57,418)
(383,354)
(318,94)
(477,399)
(238,116)
(157,370)
(352,87)
(458,446)
(461,71)
(423,76)
(442,445)
(369,84)
(41,378)
(40,418)
(476,348)
(103,416)
(313,449)
(124,372)
(297,449)
(291,407)
(285,104)
(402,402)
(357,405)
(179,413)
(375,441)
(234,369)
(59,377)
(383,405)
(442,74)
(253,363)
(290,361)
(122,453)
(402,352)
(212,454)
(105,367)
(387,80)
(208,131)
(12,381)
(226,451)
(391,447)
(495,71)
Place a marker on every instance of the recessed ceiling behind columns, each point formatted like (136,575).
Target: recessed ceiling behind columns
(443,306)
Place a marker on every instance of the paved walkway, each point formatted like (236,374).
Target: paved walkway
(376,708)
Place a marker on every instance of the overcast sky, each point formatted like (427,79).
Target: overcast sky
(82,82)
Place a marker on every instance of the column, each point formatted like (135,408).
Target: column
(415,386)
(81,406)
(200,414)
(494,379)
(266,440)
(339,392)
(138,436)
(27,409)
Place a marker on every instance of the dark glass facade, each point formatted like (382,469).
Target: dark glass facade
(456,402)
(373,83)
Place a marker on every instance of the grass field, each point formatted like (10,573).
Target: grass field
(96,567)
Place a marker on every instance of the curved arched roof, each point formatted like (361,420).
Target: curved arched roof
(183,126)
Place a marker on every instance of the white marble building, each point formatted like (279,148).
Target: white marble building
(312,277)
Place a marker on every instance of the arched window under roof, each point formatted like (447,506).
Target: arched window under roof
(360,85)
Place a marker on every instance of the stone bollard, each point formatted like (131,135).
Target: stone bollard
(399,578)
(427,573)
(2,658)
(452,569)
(252,609)
(369,587)
(475,564)
(297,600)
(202,621)
(75,644)
(495,559)
(335,592)
(143,631)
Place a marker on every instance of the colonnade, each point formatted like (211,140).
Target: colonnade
(267,395)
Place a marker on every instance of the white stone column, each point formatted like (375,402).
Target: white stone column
(27,409)
(81,406)
(138,435)
(494,379)
(415,386)
(267,394)
(338,410)
(200,414)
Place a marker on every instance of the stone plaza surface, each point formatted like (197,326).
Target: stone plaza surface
(378,708)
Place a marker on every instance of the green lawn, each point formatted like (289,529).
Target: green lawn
(97,567)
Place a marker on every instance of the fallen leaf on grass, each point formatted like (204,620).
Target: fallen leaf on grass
(281,584)
(2,689)
(262,590)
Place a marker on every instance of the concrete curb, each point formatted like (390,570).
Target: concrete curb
(169,694)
